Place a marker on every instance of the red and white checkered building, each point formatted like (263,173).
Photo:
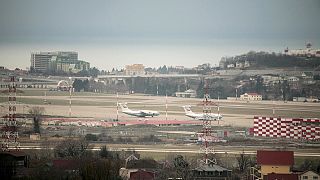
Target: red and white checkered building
(296,128)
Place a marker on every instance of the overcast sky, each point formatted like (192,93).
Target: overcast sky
(162,20)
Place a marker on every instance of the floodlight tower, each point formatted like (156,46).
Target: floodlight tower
(205,136)
(9,129)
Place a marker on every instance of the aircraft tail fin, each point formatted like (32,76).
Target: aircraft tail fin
(187,109)
(123,106)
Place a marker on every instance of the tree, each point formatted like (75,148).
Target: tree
(78,85)
(200,91)
(71,148)
(36,112)
(94,72)
(181,166)
(104,153)
(243,162)
(91,137)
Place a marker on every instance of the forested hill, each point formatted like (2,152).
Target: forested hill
(272,60)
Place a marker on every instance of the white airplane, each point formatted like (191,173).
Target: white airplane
(138,113)
(201,116)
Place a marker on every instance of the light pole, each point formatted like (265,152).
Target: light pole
(2,107)
(24,106)
(117,107)
(24,116)
(236,94)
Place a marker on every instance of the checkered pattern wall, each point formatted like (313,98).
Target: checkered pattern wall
(308,129)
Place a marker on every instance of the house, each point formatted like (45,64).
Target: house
(278,162)
(187,94)
(309,175)
(138,169)
(230,66)
(67,165)
(211,171)
(307,75)
(274,176)
(292,79)
(11,163)
(142,175)
(270,79)
(35,137)
(239,65)
(246,64)
(251,97)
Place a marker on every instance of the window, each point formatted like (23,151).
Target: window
(315,177)
(304,177)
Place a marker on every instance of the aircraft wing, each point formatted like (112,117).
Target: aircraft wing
(144,113)
(149,113)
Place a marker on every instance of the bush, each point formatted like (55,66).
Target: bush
(91,137)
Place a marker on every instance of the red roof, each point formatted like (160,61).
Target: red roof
(142,174)
(274,176)
(67,164)
(275,157)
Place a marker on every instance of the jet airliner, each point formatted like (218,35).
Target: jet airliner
(201,116)
(138,113)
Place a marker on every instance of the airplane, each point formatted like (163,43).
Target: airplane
(138,113)
(201,116)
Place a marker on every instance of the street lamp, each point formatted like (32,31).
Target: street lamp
(2,107)
(24,106)
(24,116)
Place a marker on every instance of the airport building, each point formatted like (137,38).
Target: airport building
(307,52)
(302,129)
(134,69)
(57,62)
(251,97)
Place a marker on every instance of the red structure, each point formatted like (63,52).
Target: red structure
(274,176)
(142,174)
(275,157)
(9,128)
(296,128)
(205,134)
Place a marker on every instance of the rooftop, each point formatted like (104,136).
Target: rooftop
(275,158)
(211,167)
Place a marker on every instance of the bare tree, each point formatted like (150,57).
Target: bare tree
(71,148)
(36,113)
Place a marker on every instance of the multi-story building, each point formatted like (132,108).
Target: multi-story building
(57,62)
(134,69)
(276,165)
(41,61)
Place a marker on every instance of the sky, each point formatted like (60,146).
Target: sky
(112,33)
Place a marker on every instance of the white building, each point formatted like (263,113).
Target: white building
(134,70)
(187,94)
(230,66)
(307,52)
(251,97)
(309,175)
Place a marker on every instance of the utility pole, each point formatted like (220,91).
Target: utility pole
(236,94)
(166,107)
(273,110)
(117,107)
(70,89)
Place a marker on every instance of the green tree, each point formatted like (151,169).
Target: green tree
(200,89)
(78,85)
